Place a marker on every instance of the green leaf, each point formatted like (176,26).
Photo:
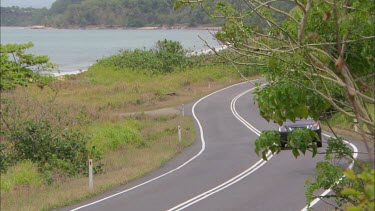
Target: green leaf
(315,150)
(350,174)
(353,208)
(370,191)
(264,155)
(268,140)
(295,153)
(350,191)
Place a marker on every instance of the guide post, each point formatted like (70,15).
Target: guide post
(91,184)
(179,133)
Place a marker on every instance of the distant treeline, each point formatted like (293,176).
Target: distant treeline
(111,13)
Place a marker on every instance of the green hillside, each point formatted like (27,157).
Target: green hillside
(119,14)
(109,13)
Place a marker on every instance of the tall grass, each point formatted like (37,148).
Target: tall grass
(125,90)
(341,120)
(110,136)
(21,176)
(345,124)
(95,101)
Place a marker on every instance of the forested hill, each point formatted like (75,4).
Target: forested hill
(108,13)
(116,14)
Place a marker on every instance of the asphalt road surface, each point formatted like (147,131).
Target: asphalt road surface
(221,171)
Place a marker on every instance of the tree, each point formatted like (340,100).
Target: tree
(109,13)
(16,16)
(20,68)
(316,55)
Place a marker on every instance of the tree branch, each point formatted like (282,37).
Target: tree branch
(302,25)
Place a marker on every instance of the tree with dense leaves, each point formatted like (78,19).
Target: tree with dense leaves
(317,55)
(21,68)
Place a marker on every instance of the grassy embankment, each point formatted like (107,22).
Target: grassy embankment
(131,146)
(344,125)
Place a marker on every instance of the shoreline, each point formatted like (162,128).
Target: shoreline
(76,72)
(195,53)
(78,69)
(209,28)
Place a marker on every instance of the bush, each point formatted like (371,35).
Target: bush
(46,135)
(52,150)
(167,56)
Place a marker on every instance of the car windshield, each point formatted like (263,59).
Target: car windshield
(298,119)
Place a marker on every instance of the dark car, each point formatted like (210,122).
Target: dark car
(308,123)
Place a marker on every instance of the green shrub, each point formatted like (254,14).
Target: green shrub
(171,55)
(52,150)
(24,174)
(167,56)
(169,46)
(45,135)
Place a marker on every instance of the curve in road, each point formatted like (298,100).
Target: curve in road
(238,177)
(173,170)
(229,144)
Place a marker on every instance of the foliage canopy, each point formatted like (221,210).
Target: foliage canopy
(320,54)
(21,68)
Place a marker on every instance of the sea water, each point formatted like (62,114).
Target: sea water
(75,50)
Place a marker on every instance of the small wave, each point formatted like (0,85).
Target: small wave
(69,72)
(207,51)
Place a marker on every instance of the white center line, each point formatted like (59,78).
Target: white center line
(173,170)
(235,179)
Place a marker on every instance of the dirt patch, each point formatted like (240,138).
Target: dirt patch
(162,111)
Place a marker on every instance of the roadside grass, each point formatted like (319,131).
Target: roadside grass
(342,121)
(122,165)
(125,90)
(371,109)
(98,102)
(20,176)
(110,136)
(345,126)
(103,90)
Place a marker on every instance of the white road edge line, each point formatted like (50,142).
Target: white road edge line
(355,155)
(253,168)
(235,179)
(173,170)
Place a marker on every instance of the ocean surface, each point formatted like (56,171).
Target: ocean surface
(75,50)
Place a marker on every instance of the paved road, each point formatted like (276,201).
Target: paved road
(221,171)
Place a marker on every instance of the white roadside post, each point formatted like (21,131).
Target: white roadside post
(91,184)
(355,125)
(179,133)
(183,110)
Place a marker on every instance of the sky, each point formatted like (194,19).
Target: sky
(27,3)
